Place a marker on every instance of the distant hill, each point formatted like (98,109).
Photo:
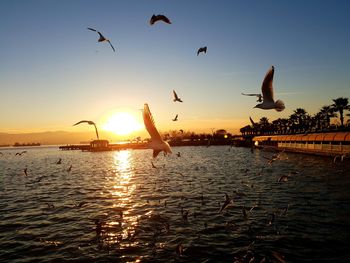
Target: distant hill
(52,138)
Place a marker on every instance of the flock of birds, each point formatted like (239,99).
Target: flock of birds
(158,144)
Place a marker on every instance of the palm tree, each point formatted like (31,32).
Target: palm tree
(299,118)
(264,125)
(327,113)
(339,105)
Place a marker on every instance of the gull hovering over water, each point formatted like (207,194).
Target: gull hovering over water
(90,123)
(176,98)
(257,95)
(156,18)
(157,143)
(267,91)
(102,38)
(202,49)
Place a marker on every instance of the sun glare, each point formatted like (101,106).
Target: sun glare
(122,123)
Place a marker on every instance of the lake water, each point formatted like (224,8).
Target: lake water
(141,210)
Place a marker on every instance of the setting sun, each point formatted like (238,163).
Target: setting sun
(122,123)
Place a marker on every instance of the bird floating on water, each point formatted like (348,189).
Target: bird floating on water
(90,123)
(202,49)
(157,143)
(156,18)
(102,38)
(257,95)
(175,119)
(267,91)
(176,98)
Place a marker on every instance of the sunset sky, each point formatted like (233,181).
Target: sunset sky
(53,72)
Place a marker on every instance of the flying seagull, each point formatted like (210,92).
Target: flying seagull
(91,123)
(202,49)
(157,143)
(176,98)
(102,38)
(257,95)
(156,18)
(175,119)
(267,91)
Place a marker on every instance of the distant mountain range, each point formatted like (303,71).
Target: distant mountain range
(52,138)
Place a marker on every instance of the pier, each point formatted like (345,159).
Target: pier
(330,144)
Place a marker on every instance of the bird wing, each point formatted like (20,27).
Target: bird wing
(164,19)
(175,95)
(155,153)
(198,51)
(111,45)
(152,20)
(251,120)
(250,94)
(267,87)
(205,50)
(149,124)
(92,29)
(84,121)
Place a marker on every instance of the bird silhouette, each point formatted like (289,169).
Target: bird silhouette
(175,119)
(202,49)
(176,98)
(156,18)
(90,123)
(267,91)
(102,38)
(257,95)
(228,200)
(157,143)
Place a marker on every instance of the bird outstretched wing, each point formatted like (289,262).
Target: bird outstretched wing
(111,45)
(84,121)
(267,87)
(149,124)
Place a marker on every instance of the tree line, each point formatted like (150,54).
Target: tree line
(302,122)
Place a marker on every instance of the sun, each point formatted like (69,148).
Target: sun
(122,123)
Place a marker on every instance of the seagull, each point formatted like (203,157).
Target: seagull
(102,38)
(257,95)
(228,200)
(25,172)
(267,91)
(70,168)
(153,166)
(157,143)
(176,98)
(156,18)
(59,161)
(283,178)
(178,154)
(91,123)
(181,130)
(175,119)
(202,49)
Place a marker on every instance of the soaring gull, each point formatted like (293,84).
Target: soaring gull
(90,123)
(175,119)
(176,98)
(157,143)
(267,91)
(156,18)
(202,49)
(102,38)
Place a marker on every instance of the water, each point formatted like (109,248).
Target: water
(140,206)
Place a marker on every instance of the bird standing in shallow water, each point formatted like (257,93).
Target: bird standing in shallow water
(156,18)
(102,38)
(267,91)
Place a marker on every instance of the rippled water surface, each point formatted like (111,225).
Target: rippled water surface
(142,210)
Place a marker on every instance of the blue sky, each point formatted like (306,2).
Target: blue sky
(54,73)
